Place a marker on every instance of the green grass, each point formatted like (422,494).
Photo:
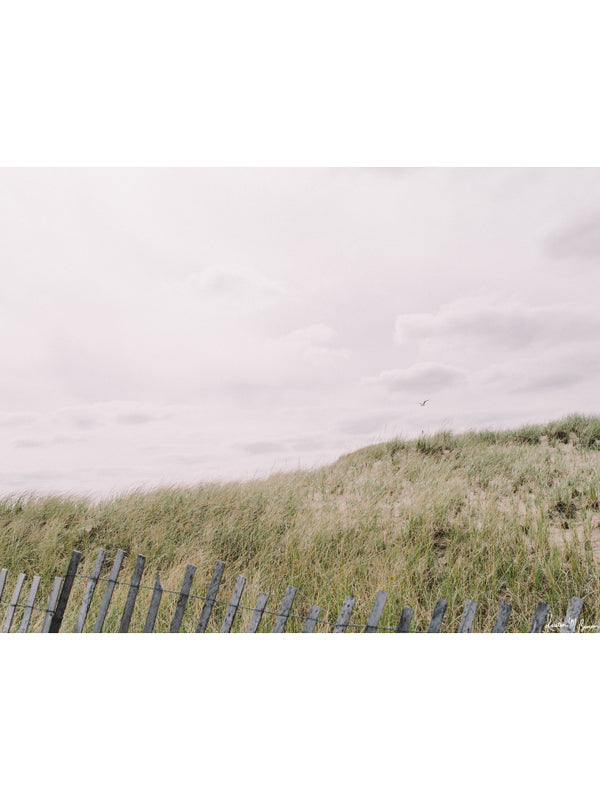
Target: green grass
(494,516)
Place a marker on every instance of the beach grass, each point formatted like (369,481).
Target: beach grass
(493,516)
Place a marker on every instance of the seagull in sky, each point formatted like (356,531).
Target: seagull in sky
(423,403)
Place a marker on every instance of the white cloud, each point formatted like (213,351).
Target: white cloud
(500,323)
(312,345)
(420,377)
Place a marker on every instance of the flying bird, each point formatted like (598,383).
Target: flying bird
(423,403)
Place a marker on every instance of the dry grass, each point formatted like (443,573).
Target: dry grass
(492,516)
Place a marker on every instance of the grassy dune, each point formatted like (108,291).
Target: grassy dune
(492,516)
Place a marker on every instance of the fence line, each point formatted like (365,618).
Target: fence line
(60,595)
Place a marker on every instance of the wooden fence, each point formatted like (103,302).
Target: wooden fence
(55,607)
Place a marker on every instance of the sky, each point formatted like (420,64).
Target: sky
(176,326)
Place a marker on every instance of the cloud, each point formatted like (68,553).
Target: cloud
(28,442)
(312,345)
(554,369)
(367,424)
(496,322)
(136,418)
(420,377)
(247,288)
(257,448)
(579,241)
(17,420)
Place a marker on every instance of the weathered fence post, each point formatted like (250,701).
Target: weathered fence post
(52,599)
(65,592)
(344,615)
(438,616)
(134,586)
(466,622)
(257,613)
(89,592)
(502,618)
(573,612)
(405,620)
(376,612)
(233,604)
(29,604)
(154,604)
(211,595)
(284,612)
(182,600)
(13,603)
(108,592)
(539,618)
(312,619)
(3,574)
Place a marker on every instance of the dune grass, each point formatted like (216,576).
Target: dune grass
(494,516)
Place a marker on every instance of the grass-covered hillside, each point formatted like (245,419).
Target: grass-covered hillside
(512,516)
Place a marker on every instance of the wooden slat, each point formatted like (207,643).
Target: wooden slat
(257,613)
(182,600)
(573,612)
(311,620)
(13,603)
(344,615)
(89,592)
(65,592)
(376,612)
(134,587)
(539,618)
(52,600)
(211,595)
(3,574)
(502,618)
(405,619)
(154,604)
(468,616)
(108,592)
(29,604)
(438,616)
(233,604)
(284,612)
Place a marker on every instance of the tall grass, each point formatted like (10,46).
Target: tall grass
(493,516)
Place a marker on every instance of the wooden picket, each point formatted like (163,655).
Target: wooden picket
(502,618)
(61,590)
(539,618)
(52,600)
(13,603)
(405,620)
(311,619)
(3,574)
(27,611)
(233,604)
(258,612)
(154,604)
(211,594)
(573,612)
(89,592)
(286,607)
(108,592)
(438,616)
(65,591)
(344,615)
(376,612)
(182,600)
(132,594)
(466,622)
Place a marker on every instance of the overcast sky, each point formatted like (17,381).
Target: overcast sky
(175,326)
